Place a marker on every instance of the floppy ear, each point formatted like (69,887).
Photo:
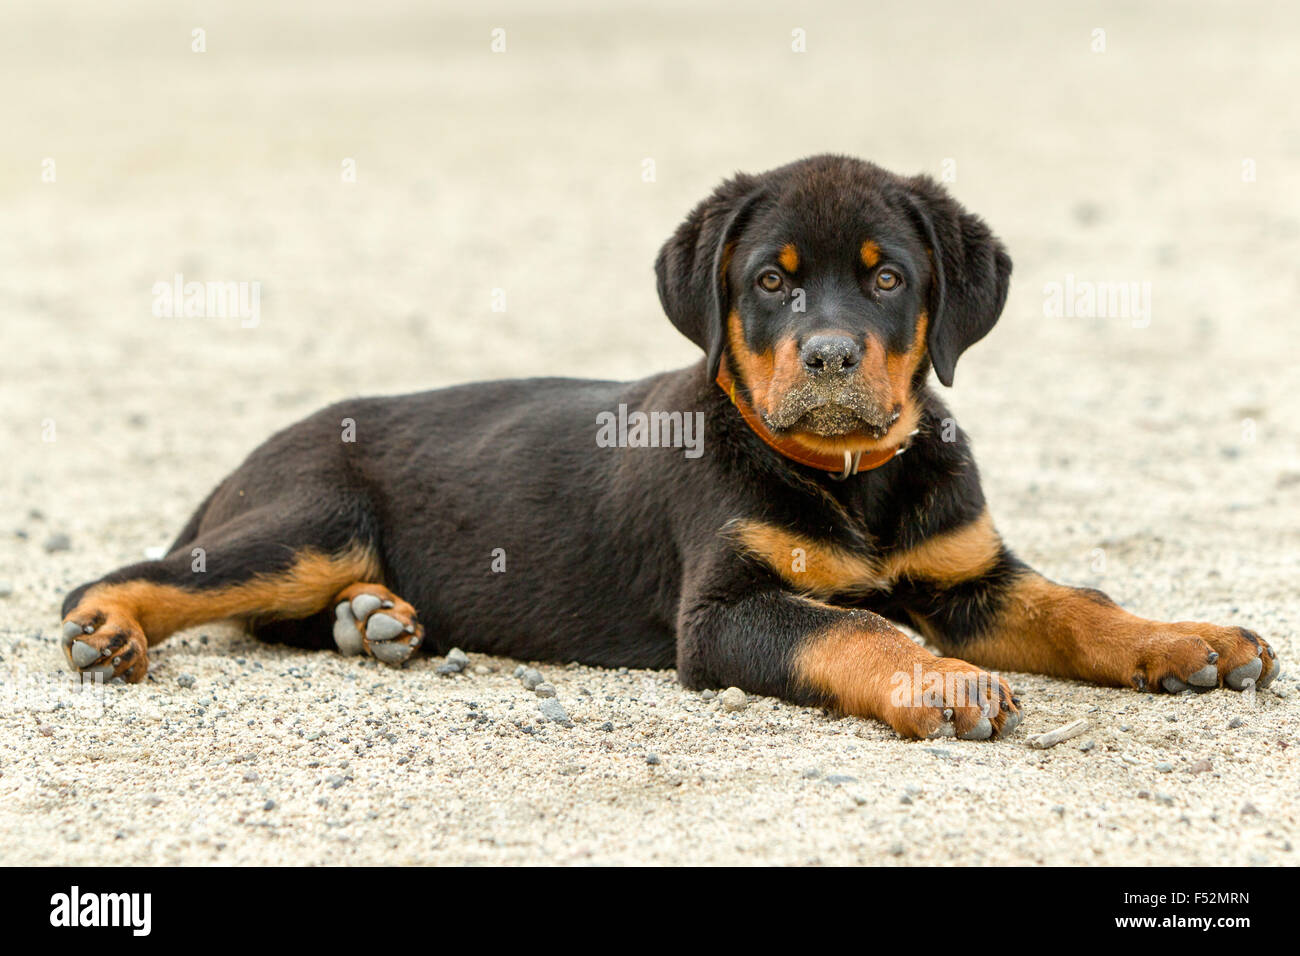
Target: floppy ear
(691,267)
(971,273)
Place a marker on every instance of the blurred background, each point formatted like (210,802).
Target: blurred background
(389,171)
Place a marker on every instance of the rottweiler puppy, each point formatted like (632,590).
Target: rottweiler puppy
(829,493)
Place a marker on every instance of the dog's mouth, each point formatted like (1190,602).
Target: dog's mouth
(836,421)
(850,412)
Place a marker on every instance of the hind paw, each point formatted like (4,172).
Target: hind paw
(371,618)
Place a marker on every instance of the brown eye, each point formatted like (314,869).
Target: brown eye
(771,281)
(888,280)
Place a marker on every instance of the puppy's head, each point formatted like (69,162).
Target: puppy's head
(830,286)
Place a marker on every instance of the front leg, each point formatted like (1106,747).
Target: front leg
(769,640)
(1003,615)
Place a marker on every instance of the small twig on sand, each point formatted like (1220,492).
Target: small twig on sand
(1054,737)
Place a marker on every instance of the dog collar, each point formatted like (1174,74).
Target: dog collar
(839,467)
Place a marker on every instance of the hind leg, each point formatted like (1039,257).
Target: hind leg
(258,566)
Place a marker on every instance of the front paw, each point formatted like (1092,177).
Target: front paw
(951,698)
(1205,656)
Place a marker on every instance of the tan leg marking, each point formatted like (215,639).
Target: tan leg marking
(122,620)
(870,669)
(1049,628)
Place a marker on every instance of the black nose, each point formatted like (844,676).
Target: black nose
(830,353)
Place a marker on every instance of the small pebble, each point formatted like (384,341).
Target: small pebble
(709,694)
(455,662)
(554,711)
(6,589)
(269,805)
(186,680)
(531,677)
(733,699)
(1164,798)
(519,671)
(544,690)
(58,542)
(251,776)
(607,726)
(1235,723)
(1164,767)
(482,670)
(652,759)
(1202,766)
(1250,809)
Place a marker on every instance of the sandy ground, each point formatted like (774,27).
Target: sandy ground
(1157,460)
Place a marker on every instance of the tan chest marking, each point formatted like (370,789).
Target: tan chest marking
(821,569)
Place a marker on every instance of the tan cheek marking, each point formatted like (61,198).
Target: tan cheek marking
(870,253)
(789,258)
(757,371)
(787,372)
(899,368)
(161,609)
(816,568)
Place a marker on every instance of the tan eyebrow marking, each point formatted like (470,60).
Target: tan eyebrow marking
(870,254)
(789,258)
